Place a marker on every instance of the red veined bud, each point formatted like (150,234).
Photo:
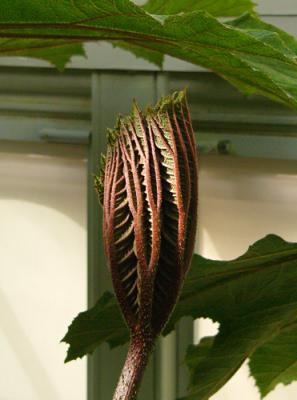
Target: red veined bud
(148,189)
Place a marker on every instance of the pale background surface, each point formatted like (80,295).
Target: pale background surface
(43,275)
(241,201)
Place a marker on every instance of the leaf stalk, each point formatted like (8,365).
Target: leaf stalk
(137,359)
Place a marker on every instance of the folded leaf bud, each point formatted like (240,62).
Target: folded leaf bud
(148,189)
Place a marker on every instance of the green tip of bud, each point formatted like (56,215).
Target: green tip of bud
(164,104)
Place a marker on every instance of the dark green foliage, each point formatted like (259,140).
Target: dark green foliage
(227,8)
(255,57)
(254,298)
(276,361)
(102,323)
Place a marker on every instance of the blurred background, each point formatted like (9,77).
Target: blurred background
(52,130)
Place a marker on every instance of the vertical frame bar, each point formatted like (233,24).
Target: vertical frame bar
(112,93)
(184,337)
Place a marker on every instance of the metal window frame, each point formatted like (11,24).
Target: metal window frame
(45,107)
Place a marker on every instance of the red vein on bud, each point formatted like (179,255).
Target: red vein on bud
(149,191)
(180,203)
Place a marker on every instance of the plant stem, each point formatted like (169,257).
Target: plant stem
(137,358)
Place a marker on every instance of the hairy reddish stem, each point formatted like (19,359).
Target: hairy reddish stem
(132,372)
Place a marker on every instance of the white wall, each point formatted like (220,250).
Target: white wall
(43,274)
(242,200)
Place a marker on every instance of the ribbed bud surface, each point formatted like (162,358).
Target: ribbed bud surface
(148,189)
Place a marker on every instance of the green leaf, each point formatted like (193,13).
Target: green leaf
(195,354)
(279,39)
(101,323)
(226,8)
(57,53)
(152,56)
(253,297)
(276,361)
(242,280)
(255,58)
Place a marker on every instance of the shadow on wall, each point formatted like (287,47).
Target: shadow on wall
(29,360)
(43,272)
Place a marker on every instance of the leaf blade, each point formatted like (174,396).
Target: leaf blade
(200,298)
(276,361)
(101,323)
(253,298)
(229,8)
(251,55)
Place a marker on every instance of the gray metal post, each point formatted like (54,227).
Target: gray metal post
(112,93)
